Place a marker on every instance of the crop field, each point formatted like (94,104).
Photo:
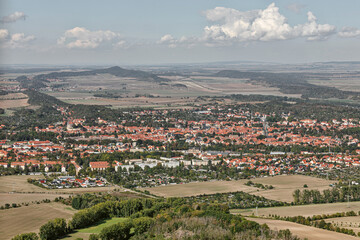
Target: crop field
(345,81)
(284,187)
(303,210)
(16,189)
(27,198)
(167,94)
(85,232)
(302,231)
(13,100)
(30,218)
(346,222)
(18,183)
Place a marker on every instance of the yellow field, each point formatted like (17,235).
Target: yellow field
(284,187)
(302,231)
(18,183)
(303,210)
(16,189)
(346,222)
(27,198)
(13,100)
(30,218)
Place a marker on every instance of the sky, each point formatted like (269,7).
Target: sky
(138,32)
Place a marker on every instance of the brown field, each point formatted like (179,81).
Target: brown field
(13,103)
(16,189)
(19,184)
(346,222)
(303,210)
(166,95)
(13,100)
(30,198)
(12,96)
(284,187)
(302,231)
(30,218)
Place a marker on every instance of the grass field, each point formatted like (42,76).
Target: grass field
(303,210)
(302,231)
(85,232)
(284,187)
(29,219)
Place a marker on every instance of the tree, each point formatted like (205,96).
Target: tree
(142,224)
(54,229)
(26,236)
(119,231)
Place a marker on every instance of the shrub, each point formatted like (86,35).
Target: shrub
(142,224)
(26,236)
(53,229)
(118,231)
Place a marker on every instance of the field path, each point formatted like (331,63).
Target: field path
(303,231)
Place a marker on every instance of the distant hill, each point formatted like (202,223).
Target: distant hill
(38,81)
(116,71)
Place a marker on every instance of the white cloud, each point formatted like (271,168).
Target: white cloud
(168,40)
(231,26)
(349,32)
(16,40)
(4,33)
(79,37)
(13,17)
(172,42)
(261,25)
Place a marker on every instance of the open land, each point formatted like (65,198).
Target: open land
(30,218)
(16,189)
(284,187)
(346,222)
(179,92)
(302,231)
(13,100)
(301,210)
(86,232)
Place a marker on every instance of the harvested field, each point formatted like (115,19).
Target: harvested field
(14,103)
(284,187)
(29,219)
(346,222)
(303,210)
(27,198)
(302,231)
(199,188)
(18,183)
(13,100)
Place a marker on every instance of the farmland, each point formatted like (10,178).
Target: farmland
(303,210)
(16,189)
(29,219)
(311,233)
(284,187)
(346,222)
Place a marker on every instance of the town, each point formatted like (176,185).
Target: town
(251,143)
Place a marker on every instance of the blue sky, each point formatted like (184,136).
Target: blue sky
(173,31)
